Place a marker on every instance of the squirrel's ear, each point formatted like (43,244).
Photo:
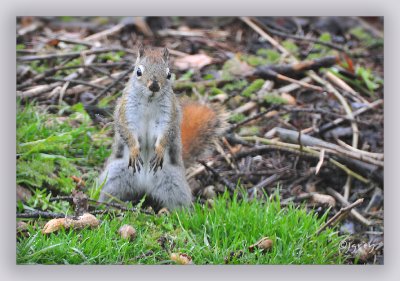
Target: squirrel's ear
(166,54)
(140,51)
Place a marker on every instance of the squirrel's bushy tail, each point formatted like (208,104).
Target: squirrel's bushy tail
(201,125)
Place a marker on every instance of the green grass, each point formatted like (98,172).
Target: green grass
(206,234)
(52,147)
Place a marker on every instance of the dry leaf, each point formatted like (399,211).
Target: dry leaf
(263,244)
(271,113)
(127,232)
(53,42)
(289,98)
(235,149)
(323,199)
(197,61)
(181,258)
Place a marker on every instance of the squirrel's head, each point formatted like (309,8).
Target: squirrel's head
(152,71)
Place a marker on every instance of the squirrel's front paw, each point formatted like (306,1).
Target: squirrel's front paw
(135,161)
(158,159)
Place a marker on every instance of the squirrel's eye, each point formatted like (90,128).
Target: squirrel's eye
(168,73)
(139,72)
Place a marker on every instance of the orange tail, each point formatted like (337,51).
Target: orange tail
(201,125)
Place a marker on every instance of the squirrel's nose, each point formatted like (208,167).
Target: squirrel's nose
(154,86)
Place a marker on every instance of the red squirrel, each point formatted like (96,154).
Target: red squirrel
(156,137)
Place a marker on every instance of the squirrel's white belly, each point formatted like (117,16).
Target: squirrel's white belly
(150,125)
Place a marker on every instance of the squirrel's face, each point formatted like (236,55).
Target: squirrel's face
(152,72)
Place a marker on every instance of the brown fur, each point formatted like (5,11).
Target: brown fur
(122,120)
(201,125)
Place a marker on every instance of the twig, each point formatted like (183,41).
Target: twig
(41,214)
(320,162)
(110,86)
(342,84)
(302,38)
(71,54)
(60,68)
(377,156)
(76,82)
(197,170)
(104,33)
(81,88)
(231,186)
(121,207)
(336,122)
(292,137)
(343,212)
(322,112)
(114,205)
(37,90)
(254,117)
(299,82)
(344,202)
(265,35)
(304,151)
(268,181)
(74,41)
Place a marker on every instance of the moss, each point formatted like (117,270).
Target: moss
(364,37)
(21,46)
(291,46)
(236,118)
(208,76)
(235,85)
(112,56)
(253,87)
(272,98)
(272,56)
(249,131)
(215,91)
(255,60)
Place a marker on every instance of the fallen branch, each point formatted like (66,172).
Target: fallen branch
(41,214)
(339,216)
(72,54)
(344,202)
(293,136)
